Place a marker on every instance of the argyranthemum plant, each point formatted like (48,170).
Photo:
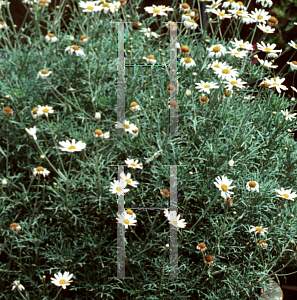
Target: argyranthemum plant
(286,194)
(72,146)
(126,219)
(224,185)
(118,187)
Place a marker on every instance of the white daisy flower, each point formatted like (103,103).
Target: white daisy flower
(126,220)
(246,18)
(265,3)
(266,29)
(259,230)
(131,163)
(292,44)
(32,132)
(228,3)
(175,220)
(260,15)
(165,8)
(44,74)
(134,130)
(216,51)
(89,6)
(44,110)
(217,65)
(206,86)
(236,53)
(62,280)
(226,72)
(237,13)
(128,179)
(191,24)
(131,213)
(221,14)
(224,186)
(277,83)
(41,171)
(166,213)
(118,187)
(107,7)
(72,146)
(186,17)
(148,32)
(50,37)
(293,65)
(127,126)
(234,82)
(288,115)
(75,49)
(241,44)
(16,284)
(238,5)
(231,163)
(252,186)
(286,194)
(187,62)
(155,10)
(215,4)
(134,107)
(266,64)
(116,5)
(150,59)
(156,154)
(3,25)
(267,48)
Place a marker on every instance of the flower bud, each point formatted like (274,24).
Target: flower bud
(4,181)
(97,115)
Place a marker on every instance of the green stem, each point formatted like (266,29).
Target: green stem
(58,293)
(205,211)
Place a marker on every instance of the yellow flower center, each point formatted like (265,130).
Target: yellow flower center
(128,180)
(260,17)
(133,164)
(268,49)
(221,14)
(286,195)
(239,12)
(51,35)
(44,72)
(216,49)
(206,86)
(252,184)
(226,71)
(75,48)
(240,3)
(1,23)
(62,281)
(233,82)
(227,93)
(133,104)
(90,7)
(188,15)
(150,57)
(274,83)
(213,6)
(241,45)
(192,21)
(83,37)
(106,4)
(174,223)
(41,169)
(156,11)
(127,221)
(46,110)
(126,126)
(35,110)
(224,187)
(187,60)
(236,53)
(119,189)
(72,147)
(259,229)
(129,211)
(185,6)
(98,132)
(216,66)
(149,32)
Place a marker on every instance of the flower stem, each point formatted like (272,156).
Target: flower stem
(58,294)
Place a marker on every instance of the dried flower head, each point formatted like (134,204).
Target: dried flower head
(165,193)
(171,88)
(272,21)
(129,212)
(185,50)
(15,226)
(201,247)
(8,111)
(173,104)
(135,25)
(209,259)
(262,244)
(204,99)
